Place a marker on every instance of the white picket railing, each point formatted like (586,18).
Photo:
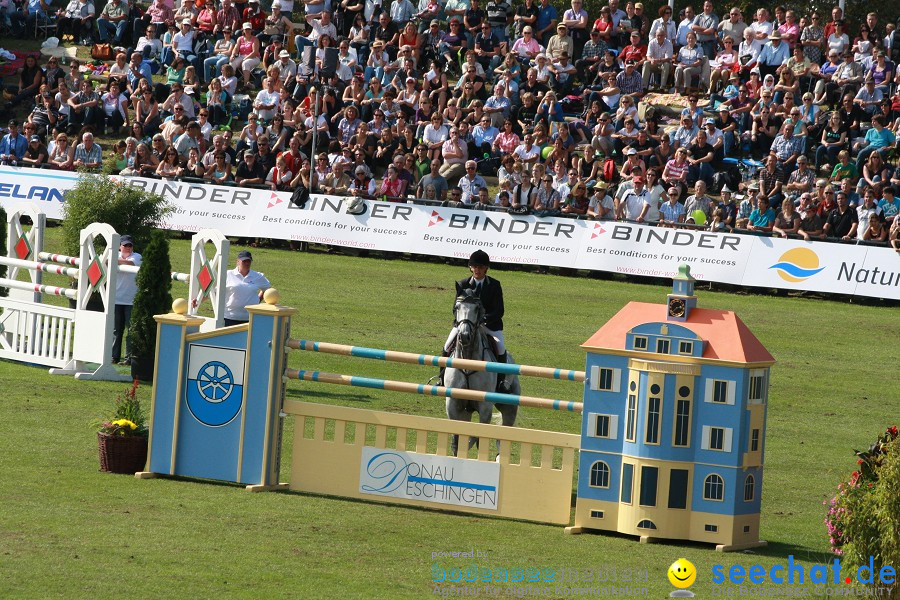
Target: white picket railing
(36,333)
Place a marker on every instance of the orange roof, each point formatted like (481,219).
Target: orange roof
(726,336)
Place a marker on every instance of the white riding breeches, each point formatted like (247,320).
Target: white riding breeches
(497,335)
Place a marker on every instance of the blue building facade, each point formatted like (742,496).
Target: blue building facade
(674,421)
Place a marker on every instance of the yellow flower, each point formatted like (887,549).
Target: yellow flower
(124,423)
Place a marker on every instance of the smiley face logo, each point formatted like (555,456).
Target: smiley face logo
(682,573)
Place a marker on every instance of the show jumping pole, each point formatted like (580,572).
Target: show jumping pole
(39,266)
(74,260)
(437,361)
(41,289)
(433,390)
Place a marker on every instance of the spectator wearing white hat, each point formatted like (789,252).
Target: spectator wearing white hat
(287,68)
(245,54)
(182,45)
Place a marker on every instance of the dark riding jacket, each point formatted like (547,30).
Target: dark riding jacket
(491,298)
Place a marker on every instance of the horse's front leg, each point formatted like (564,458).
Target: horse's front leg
(485,412)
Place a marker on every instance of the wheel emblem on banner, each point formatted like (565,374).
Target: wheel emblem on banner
(215,382)
(215,386)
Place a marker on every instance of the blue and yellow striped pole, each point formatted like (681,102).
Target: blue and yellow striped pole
(436,361)
(432,390)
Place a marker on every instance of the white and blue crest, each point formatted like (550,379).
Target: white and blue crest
(215,384)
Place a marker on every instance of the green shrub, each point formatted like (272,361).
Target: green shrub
(99,199)
(154,297)
(863,518)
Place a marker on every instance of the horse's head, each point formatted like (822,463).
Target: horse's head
(469,315)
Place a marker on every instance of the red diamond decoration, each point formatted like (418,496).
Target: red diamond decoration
(23,248)
(435,218)
(274,199)
(205,278)
(95,273)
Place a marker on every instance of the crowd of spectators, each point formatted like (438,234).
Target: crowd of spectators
(795,133)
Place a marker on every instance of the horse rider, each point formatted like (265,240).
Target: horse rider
(490,292)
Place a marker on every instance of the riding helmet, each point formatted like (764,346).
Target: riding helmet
(479,258)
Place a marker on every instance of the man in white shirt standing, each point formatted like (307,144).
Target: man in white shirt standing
(243,287)
(126,289)
(762,27)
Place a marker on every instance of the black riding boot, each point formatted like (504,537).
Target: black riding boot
(444,353)
(502,385)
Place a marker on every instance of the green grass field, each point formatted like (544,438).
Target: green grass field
(67,530)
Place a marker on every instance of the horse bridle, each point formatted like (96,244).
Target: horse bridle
(469,298)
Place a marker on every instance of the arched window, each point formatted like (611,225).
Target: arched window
(600,474)
(749,491)
(646,524)
(713,487)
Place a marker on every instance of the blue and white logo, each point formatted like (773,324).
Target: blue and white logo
(429,478)
(215,384)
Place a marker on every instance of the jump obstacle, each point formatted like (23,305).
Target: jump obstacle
(219,397)
(672,428)
(68,339)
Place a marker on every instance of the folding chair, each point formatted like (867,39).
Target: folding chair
(45,27)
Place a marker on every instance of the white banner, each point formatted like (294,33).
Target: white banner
(657,251)
(626,248)
(429,478)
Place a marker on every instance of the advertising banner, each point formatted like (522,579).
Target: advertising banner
(657,251)
(429,478)
(814,266)
(626,248)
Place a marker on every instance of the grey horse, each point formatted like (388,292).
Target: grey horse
(472,343)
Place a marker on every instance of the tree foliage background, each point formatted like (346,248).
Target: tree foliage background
(99,199)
